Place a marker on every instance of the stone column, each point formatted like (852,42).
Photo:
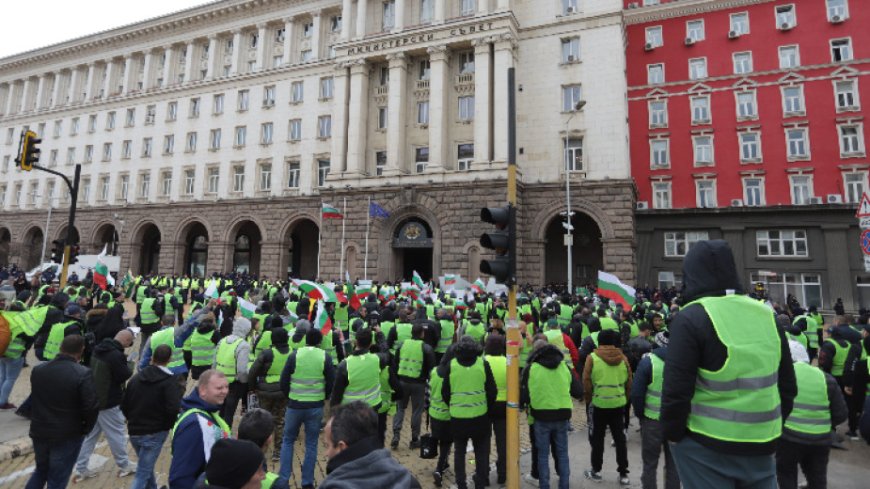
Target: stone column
(129,75)
(211,65)
(439,57)
(237,52)
(437,18)
(361,18)
(346,13)
(262,42)
(357,131)
(55,90)
(289,40)
(339,118)
(74,82)
(90,83)
(40,92)
(270,256)
(316,35)
(109,82)
(399,22)
(504,59)
(148,71)
(482,83)
(168,65)
(396,148)
(10,96)
(189,62)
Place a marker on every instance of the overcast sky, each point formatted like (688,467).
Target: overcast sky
(53,21)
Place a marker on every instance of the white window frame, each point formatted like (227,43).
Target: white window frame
(790,19)
(267,133)
(573,151)
(570,50)
(754,95)
(834,10)
(423,112)
(692,31)
(861,148)
(214,139)
(571,94)
(650,69)
(324,126)
(743,157)
(190,142)
(850,50)
(698,68)
(243,100)
(464,163)
(420,164)
(697,149)
(855,93)
(713,202)
(694,109)
(791,152)
(294,169)
(747,201)
(240,136)
(322,171)
(388,15)
(663,113)
(107,151)
(739,61)
(166,184)
(793,238)
(787,109)
(854,190)
(147,147)
(294,130)
(327,88)
(654,35)
(297,92)
(265,180)
(809,186)
(189,182)
(382,118)
(732,26)
(656,146)
(217,104)
(662,195)
(238,179)
(213,180)
(797,56)
(168,144)
(466,108)
(678,243)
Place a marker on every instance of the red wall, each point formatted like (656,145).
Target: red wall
(812,35)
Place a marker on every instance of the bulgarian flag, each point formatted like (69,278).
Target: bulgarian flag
(449,281)
(128,283)
(361,293)
(247,308)
(316,291)
(101,272)
(212,291)
(418,281)
(321,320)
(609,286)
(329,212)
(478,286)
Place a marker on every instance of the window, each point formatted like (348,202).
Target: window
(700,110)
(52,161)
(74,126)
(130,119)
(190,143)
(168,144)
(789,57)
(425,69)
(324,126)
(166,184)
(172,111)
(841,50)
(266,133)
(297,92)
(110,120)
(194,108)
(126,149)
(466,108)
(786,18)
(855,183)
(146,147)
(423,112)
(277,60)
(658,154)
(70,156)
(697,68)
(150,114)
(677,244)
(292,174)
(326,88)
(750,147)
(661,195)
(742,63)
(427,8)
(466,62)
(571,94)
(753,191)
(655,74)
(144,185)
(847,94)
(322,172)
(382,118)
(388,18)
(851,140)
(107,151)
(238,178)
(86,192)
(464,156)
(570,6)
(6,160)
(214,140)
(792,242)
(279,35)
(269,96)
(189,181)
(89,153)
(218,104)
(92,123)
(654,36)
(57,131)
(793,100)
(695,30)
(380,162)
(306,55)
(703,149)
(243,100)
(421,159)
(801,189)
(213,180)
(573,154)
(335,23)
(570,49)
(798,143)
(705,193)
(658,113)
(265,176)
(806,287)
(466,7)
(124,188)
(746,105)
(308,29)
(240,137)
(838,10)
(295,130)
(740,23)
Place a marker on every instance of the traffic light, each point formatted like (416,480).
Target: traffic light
(502,241)
(57,251)
(29,153)
(73,254)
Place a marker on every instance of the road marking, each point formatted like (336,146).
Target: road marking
(15,475)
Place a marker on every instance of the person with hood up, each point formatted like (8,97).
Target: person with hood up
(203,345)
(646,399)
(355,457)
(606,388)
(264,378)
(111,322)
(834,358)
(729,380)
(546,388)
(470,392)
(198,429)
(232,361)
(235,464)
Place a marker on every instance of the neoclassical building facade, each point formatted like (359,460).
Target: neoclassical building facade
(210,137)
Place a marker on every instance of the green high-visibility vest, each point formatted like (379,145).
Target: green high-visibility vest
(26,323)
(476,331)
(269,481)
(363,379)
(411,358)
(564,317)
(594,337)
(467,390)
(308,383)
(225,359)
(166,337)
(403,332)
(740,402)
(387,405)
(812,337)
(812,412)
(263,344)
(607,322)
(55,337)
(555,338)
(446,339)
(140,294)
(167,304)
(498,366)
(219,427)
(386,327)
(146,312)
(634,331)
(549,389)
(341,318)
(653,401)
(279,360)
(608,383)
(202,349)
(430,311)
(438,409)
(328,346)
(838,363)
(16,347)
(800,338)
(295,345)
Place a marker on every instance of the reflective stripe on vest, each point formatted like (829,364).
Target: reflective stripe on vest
(219,427)
(202,349)
(811,413)
(363,379)
(549,388)
(225,360)
(27,322)
(279,360)
(608,383)
(15,348)
(146,312)
(411,358)
(403,332)
(438,409)
(468,390)
(498,365)
(838,363)
(167,337)
(653,402)
(446,339)
(55,337)
(308,383)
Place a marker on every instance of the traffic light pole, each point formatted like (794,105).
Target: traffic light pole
(514,338)
(74,196)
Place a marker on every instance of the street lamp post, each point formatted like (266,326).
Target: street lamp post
(569,228)
(118,231)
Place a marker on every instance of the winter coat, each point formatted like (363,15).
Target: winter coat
(111,371)
(466,358)
(363,466)
(612,356)
(642,379)
(188,446)
(63,400)
(152,401)
(550,357)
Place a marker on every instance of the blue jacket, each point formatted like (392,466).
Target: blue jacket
(642,379)
(188,451)
(181,335)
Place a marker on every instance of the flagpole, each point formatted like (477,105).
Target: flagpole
(320,239)
(341,259)
(368,222)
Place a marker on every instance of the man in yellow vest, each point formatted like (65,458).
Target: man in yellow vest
(264,377)
(806,435)
(231,359)
(729,380)
(494,352)
(834,356)
(412,363)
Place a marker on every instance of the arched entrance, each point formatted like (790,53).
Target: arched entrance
(195,250)
(246,248)
(5,246)
(148,241)
(587,252)
(412,248)
(300,249)
(107,236)
(31,247)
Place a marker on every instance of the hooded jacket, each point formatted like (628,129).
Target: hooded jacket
(111,322)
(111,371)
(642,380)
(550,357)
(151,401)
(709,271)
(241,328)
(466,355)
(188,448)
(258,371)
(64,400)
(362,465)
(93,320)
(612,356)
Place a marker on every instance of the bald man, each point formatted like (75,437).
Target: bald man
(111,371)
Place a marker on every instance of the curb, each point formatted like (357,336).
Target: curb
(15,448)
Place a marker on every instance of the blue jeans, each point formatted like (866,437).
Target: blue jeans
(147,449)
(294,419)
(9,370)
(54,462)
(557,432)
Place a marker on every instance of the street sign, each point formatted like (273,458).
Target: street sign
(865,241)
(864,208)
(569,240)
(867,263)
(864,222)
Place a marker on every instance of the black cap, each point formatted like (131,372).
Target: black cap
(233,462)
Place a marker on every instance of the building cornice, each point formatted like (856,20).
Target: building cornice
(670,10)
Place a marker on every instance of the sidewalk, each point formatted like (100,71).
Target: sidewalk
(14,441)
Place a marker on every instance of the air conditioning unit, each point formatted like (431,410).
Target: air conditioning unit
(642,205)
(835,199)
(733,34)
(736,202)
(785,26)
(633,5)
(570,9)
(648,46)
(570,58)
(689,41)
(815,200)
(836,19)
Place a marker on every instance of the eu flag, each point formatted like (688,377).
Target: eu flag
(377,211)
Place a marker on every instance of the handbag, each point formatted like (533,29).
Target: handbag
(428,444)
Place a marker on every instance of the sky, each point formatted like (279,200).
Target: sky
(53,21)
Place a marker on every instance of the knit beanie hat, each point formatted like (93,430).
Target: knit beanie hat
(233,463)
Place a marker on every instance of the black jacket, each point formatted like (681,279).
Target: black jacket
(151,402)
(709,271)
(342,380)
(466,358)
(428,364)
(839,413)
(550,357)
(111,371)
(64,400)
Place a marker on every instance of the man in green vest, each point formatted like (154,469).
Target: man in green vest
(606,388)
(231,359)
(445,339)
(474,327)
(71,324)
(203,346)
(439,416)
(175,337)
(729,379)
(806,436)
(263,378)
(149,318)
(495,355)
(412,363)
(834,357)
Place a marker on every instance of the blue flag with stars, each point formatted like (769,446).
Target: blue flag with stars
(377,211)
